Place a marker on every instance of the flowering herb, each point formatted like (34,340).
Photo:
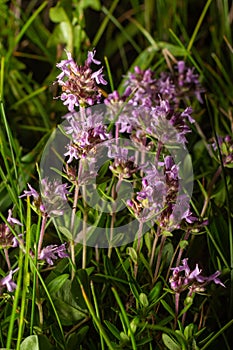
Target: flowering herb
(80,83)
(52,198)
(184,278)
(175,86)
(85,135)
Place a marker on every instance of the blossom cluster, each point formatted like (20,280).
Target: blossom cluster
(80,83)
(147,110)
(184,278)
(51,200)
(145,89)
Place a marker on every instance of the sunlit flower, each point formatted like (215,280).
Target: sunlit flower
(80,83)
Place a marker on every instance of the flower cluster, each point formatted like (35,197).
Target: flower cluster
(52,252)
(52,198)
(123,165)
(150,200)
(184,278)
(79,83)
(173,86)
(7,238)
(86,133)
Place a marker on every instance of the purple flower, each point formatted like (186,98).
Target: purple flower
(12,221)
(53,252)
(70,100)
(52,198)
(142,84)
(123,164)
(98,76)
(79,83)
(8,282)
(168,125)
(72,153)
(175,86)
(150,200)
(180,85)
(7,238)
(91,59)
(32,193)
(85,134)
(183,278)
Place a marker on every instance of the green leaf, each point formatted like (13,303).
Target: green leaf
(167,307)
(188,331)
(167,233)
(82,276)
(169,343)
(112,328)
(183,244)
(94,4)
(132,253)
(65,232)
(66,305)
(143,300)
(35,342)
(155,292)
(124,338)
(134,323)
(57,14)
(146,264)
(57,283)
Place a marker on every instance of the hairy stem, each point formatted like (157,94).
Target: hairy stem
(42,232)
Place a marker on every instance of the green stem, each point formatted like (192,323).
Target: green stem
(198,25)
(163,239)
(153,249)
(35,279)
(96,319)
(139,234)
(216,335)
(125,318)
(26,279)
(16,300)
(97,312)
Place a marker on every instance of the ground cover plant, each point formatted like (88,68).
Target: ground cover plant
(116,174)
